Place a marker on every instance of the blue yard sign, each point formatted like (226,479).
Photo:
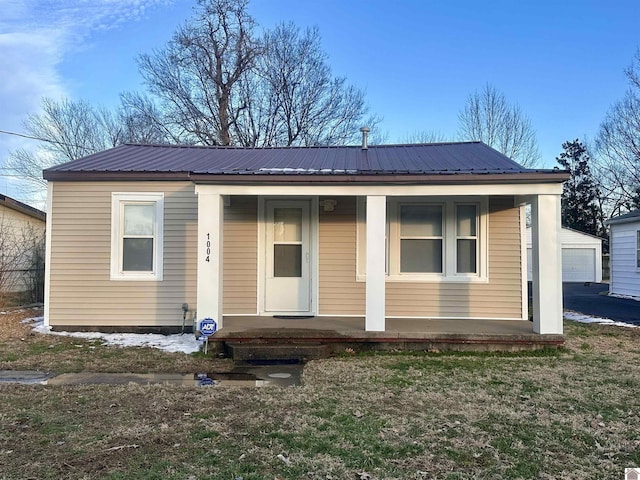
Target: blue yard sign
(208,327)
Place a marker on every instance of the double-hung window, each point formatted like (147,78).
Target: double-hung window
(638,249)
(467,238)
(136,236)
(441,239)
(421,238)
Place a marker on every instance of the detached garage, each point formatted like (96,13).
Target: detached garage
(581,256)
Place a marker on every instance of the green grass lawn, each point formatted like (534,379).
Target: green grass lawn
(569,414)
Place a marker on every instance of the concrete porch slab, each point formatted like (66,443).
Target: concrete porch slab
(402,334)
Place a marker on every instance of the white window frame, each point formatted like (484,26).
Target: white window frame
(449,259)
(118,201)
(467,237)
(395,239)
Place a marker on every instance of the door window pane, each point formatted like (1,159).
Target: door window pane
(421,256)
(466,220)
(420,220)
(287,260)
(139,219)
(466,249)
(287,224)
(137,254)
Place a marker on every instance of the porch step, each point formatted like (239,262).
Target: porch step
(274,351)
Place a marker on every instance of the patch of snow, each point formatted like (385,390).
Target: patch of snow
(626,297)
(579,317)
(186,343)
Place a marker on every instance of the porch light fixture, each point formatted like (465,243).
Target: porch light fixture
(328,205)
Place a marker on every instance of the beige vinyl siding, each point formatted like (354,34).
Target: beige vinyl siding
(499,298)
(339,293)
(81,292)
(241,256)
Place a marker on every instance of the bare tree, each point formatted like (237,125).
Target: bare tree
(425,136)
(258,124)
(215,83)
(67,130)
(219,84)
(618,146)
(70,129)
(196,77)
(137,120)
(312,107)
(21,261)
(489,118)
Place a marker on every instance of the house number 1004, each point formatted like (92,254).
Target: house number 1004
(208,248)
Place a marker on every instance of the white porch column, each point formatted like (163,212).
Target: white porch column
(210,230)
(375,288)
(546,264)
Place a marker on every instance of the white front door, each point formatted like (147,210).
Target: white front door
(288,257)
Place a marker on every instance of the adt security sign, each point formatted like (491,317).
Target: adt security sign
(208,327)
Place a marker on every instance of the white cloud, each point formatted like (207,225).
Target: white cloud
(35,37)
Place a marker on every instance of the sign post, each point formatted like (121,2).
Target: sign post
(207,327)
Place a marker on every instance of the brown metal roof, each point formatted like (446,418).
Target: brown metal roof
(190,162)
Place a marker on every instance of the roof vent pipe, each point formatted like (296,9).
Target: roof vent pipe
(365,131)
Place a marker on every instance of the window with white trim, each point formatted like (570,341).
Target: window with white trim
(638,249)
(431,239)
(421,238)
(136,236)
(466,238)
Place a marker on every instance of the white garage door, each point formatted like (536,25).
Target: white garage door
(578,264)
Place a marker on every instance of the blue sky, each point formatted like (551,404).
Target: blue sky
(561,61)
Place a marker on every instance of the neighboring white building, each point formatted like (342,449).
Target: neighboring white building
(624,244)
(581,256)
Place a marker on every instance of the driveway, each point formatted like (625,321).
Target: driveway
(586,299)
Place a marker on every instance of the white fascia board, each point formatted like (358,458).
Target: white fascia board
(386,190)
(612,222)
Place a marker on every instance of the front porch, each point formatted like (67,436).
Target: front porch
(322,336)
(349,248)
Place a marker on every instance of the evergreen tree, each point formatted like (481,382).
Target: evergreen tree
(580,194)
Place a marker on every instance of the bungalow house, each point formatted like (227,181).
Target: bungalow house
(624,246)
(412,232)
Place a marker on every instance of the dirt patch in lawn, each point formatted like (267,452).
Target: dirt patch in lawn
(11,323)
